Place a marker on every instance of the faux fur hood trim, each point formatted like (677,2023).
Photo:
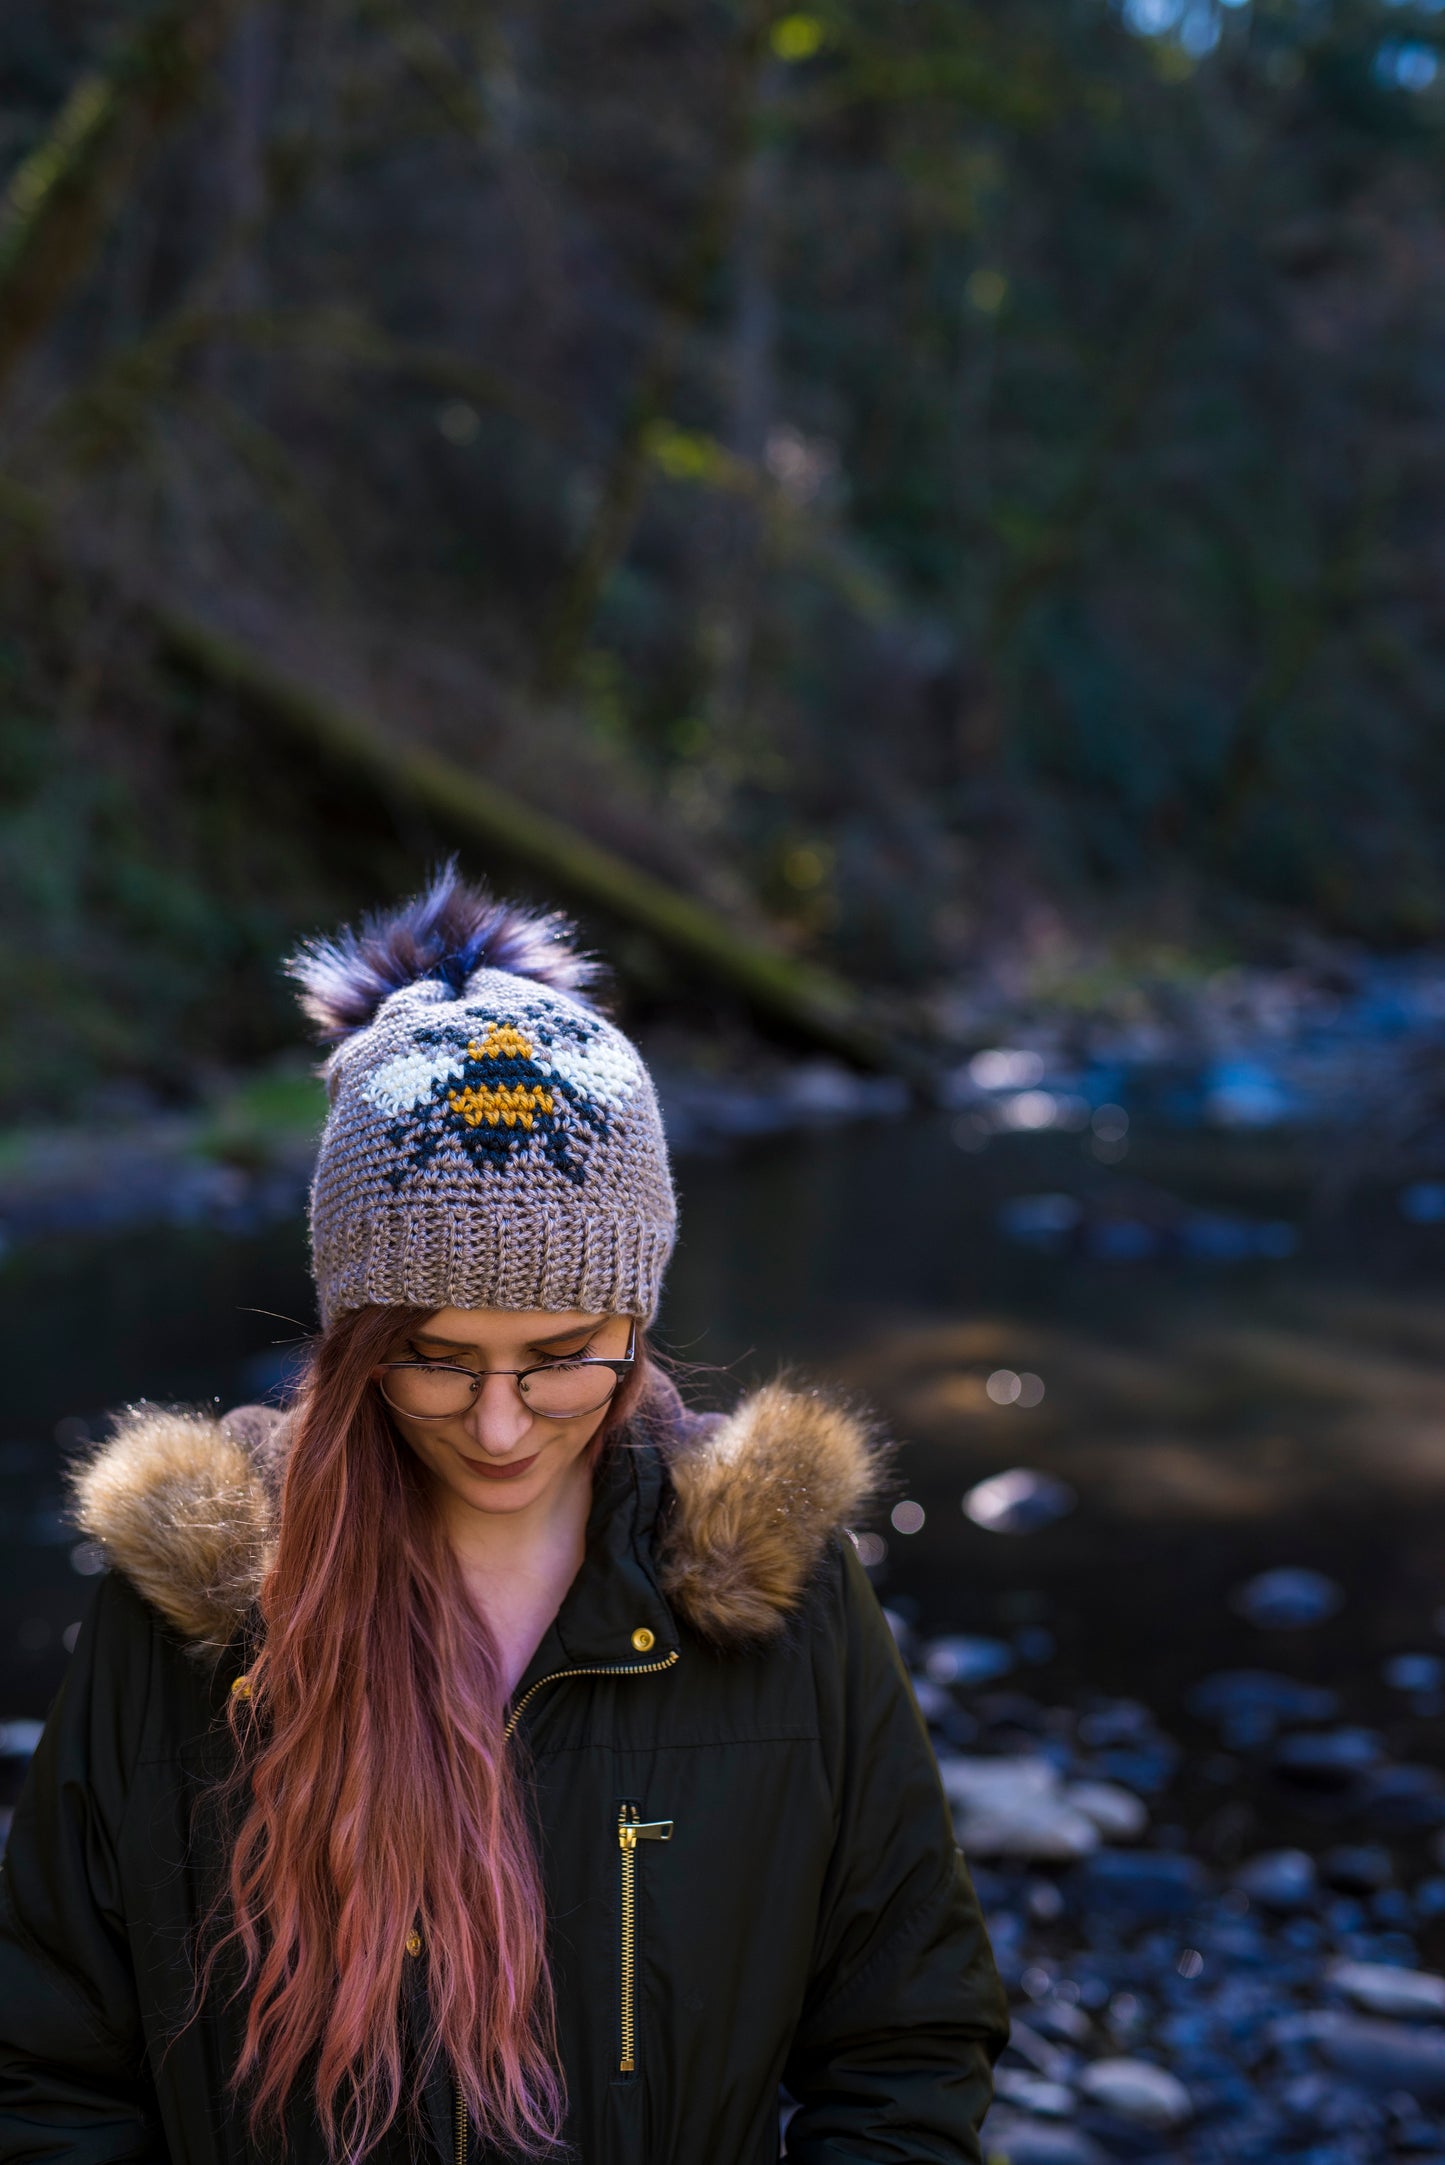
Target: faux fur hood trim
(757,1502)
(184,1505)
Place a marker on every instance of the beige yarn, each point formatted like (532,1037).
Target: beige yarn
(497,1148)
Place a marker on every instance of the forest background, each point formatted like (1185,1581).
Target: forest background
(948,489)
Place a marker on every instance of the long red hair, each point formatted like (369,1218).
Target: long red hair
(375,1794)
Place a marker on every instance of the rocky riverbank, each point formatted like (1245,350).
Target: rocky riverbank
(1179,1997)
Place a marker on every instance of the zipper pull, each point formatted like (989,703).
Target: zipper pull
(631,1829)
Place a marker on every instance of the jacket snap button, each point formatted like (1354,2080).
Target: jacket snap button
(241,1688)
(643,1639)
(413,1942)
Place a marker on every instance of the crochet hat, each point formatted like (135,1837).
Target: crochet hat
(493,1140)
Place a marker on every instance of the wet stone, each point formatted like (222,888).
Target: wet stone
(1020,1501)
(1014,2139)
(1283,1880)
(1249,1706)
(1115,1722)
(934,1703)
(1358,1868)
(1138,2090)
(1148,1766)
(1035,2093)
(1402,1798)
(1287,1599)
(1381,1989)
(1415,1672)
(1028,2045)
(1385,2056)
(1142,1883)
(1393,1908)
(1328,1758)
(1118,1814)
(1015,1807)
(1240,1943)
(964,1660)
(1067,2024)
(958,1728)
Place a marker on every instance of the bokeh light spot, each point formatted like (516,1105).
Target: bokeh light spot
(459,422)
(987,290)
(797,37)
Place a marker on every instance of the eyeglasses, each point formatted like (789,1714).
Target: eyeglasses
(558,1390)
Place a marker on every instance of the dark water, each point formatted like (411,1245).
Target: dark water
(1214,1417)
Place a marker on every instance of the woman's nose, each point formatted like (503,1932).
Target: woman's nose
(498,1419)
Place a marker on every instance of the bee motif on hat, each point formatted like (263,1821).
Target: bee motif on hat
(507,1089)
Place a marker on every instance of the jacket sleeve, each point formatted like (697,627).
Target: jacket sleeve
(73,2077)
(891,2063)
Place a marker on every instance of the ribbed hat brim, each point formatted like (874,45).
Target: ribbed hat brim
(483,1258)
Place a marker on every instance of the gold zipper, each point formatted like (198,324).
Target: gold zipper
(645,1668)
(630,1831)
(558,1676)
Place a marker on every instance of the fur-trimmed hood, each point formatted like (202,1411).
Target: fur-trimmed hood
(184,1505)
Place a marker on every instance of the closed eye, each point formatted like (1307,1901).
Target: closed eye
(554,1359)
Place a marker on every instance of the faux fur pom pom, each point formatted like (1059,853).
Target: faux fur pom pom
(453,928)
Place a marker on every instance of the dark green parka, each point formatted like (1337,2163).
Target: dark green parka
(719,1668)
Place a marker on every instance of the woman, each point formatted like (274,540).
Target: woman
(486,1757)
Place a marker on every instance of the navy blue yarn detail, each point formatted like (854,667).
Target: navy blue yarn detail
(417,1137)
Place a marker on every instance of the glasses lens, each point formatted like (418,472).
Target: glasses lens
(427,1392)
(564,1390)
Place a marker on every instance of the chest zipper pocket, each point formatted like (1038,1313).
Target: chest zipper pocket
(632,1828)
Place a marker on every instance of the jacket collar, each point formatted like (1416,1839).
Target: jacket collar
(715,1524)
(615,1598)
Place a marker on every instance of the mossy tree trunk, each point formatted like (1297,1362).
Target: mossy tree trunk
(65,197)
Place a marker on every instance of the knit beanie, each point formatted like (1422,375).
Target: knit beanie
(493,1141)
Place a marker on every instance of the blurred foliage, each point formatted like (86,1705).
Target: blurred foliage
(274,1105)
(878,464)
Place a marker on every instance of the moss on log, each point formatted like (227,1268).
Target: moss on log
(806,1000)
(808,1003)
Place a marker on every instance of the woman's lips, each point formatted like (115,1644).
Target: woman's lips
(511,1471)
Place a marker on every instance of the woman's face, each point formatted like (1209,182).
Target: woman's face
(500,1457)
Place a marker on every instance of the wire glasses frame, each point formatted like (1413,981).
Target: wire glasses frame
(557,1390)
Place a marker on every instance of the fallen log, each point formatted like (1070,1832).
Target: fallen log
(809,1003)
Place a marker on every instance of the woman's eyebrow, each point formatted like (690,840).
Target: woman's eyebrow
(465,1345)
(560,1338)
